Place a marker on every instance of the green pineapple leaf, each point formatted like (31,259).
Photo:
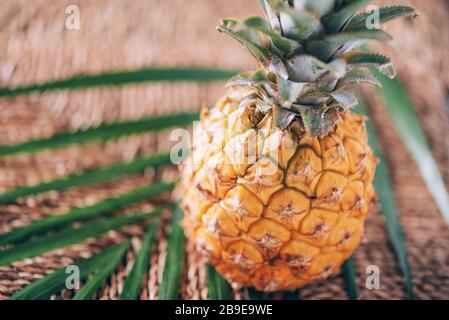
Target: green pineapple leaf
(360,75)
(247,37)
(268,8)
(290,91)
(334,22)
(345,99)
(261,25)
(367,59)
(300,25)
(316,119)
(133,282)
(282,117)
(319,8)
(305,42)
(338,4)
(306,68)
(386,14)
(328,45)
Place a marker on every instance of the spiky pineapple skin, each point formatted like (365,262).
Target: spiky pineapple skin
(275,209)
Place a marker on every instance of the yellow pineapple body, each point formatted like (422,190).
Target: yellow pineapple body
(275,209)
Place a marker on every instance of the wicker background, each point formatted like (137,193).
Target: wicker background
(120,34)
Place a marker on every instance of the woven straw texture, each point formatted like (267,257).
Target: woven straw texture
(126,34)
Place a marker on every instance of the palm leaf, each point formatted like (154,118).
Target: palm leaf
(253,294)
(123,77)
(133,282)
(84,213)
(67,237)
(174,262)
(92,286)
(404,116)
(350,278)
(54,282)
(385,192)
(88,177)
(104,132)
(292,295)
(218,287)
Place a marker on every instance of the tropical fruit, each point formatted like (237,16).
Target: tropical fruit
(280,177)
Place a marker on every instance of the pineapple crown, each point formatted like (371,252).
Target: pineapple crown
(311,57)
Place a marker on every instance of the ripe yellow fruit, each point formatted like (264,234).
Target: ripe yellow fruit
(274,208)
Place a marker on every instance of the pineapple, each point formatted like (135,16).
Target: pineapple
(279,180)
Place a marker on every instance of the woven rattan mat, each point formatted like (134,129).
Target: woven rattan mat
(35,46)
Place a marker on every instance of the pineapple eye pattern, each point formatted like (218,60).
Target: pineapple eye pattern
(284,208)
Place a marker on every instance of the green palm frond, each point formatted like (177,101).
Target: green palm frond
(350,278)
(409,128)
(120,78)
(68,237)
(385,192)
(218,287)
(84,213)
(104,132)
(292,295)
(54,282)
(133,282)
(88,177)
(98,278)
(253,294)
(174,261)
